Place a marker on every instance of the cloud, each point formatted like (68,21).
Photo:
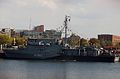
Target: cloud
(55,4)
(88,16)
(22,3)
(48,3)
(3,1)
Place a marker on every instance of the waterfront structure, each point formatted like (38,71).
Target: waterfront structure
(39,28)
(114,39)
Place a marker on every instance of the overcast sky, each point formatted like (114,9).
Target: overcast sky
(88,17)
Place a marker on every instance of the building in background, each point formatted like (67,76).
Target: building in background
(8,31)
(52,34)
(41,35)
(31,34)
(39,28)
(36,33)
(112,38)
(1,32)
(14,33)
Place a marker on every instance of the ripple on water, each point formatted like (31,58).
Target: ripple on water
(21,69)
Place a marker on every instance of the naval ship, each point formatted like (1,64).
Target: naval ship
(50,49)
(87,54)
(36,49)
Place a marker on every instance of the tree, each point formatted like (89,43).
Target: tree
(102,43)
(105,43)
(83,42)
(20,40)
(5,39)
(74,40)
(108,43)
(94,41)
(118,45)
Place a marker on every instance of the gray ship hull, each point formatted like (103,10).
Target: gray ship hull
(59,58)
(54,52)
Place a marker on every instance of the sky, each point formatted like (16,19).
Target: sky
(88,17)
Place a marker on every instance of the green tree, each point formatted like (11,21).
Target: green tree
(74,40)
(118,45)
(102,43)
(5,39)
(84,42)
(105,43)
(94,41)
(108,43)
(20,40)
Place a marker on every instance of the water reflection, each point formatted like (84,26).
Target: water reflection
(14,69)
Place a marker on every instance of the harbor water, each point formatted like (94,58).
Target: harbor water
(29,69)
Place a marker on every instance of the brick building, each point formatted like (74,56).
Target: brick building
(112,38)
(39,28)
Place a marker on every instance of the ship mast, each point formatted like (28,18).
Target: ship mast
(67,19)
